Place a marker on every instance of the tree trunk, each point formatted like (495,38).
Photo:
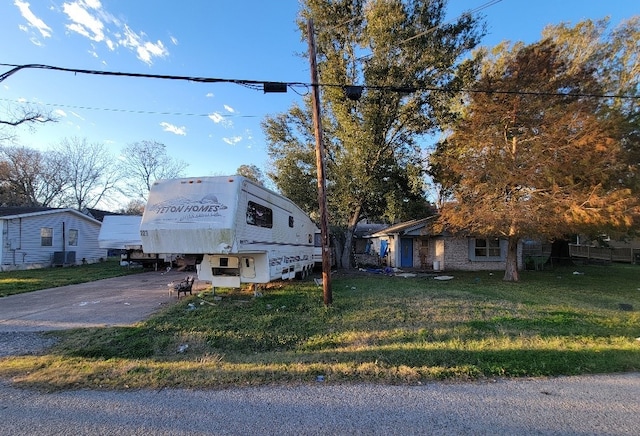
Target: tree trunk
(511,273)
(345,259)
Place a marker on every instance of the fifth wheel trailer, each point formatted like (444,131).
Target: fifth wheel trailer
(239,231)
(122,232)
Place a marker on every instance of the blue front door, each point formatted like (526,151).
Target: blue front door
(406,253)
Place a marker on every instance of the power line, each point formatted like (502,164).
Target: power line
(134,111)
(270,86)
(254,84)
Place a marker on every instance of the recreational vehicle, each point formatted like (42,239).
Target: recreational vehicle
(239,231)
(122,233)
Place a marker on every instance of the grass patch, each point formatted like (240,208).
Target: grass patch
(18,282)
(379,329)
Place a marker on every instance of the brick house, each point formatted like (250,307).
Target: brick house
(413,245)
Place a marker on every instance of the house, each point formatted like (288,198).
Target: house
(412,244)
(43,237)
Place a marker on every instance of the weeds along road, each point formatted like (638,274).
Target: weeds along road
(584,405)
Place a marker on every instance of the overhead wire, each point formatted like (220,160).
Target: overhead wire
(256,84)
(133,111)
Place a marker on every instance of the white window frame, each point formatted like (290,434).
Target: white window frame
(489,245)
(74,234)
(46,235)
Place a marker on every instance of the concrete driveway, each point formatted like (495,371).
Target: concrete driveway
(117,301)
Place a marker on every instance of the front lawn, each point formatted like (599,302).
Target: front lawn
(380,329)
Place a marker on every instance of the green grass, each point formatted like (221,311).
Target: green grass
(379,329)
(18,282)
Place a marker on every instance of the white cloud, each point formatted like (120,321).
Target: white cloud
(149,50)
(220,119)
(35,22)
(167,127)
(89,19)
(145,50)
(82,21)
(209,95)
(229,108)
(216,118)
(93,4)
(60,113)
(233,140)
(174,40)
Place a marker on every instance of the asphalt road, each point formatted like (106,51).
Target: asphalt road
(592,405)
(585,405)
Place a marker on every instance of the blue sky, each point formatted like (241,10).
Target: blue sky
(215,128)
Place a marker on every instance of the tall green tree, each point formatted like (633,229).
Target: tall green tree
(252,172)
(535,152)
(395,52)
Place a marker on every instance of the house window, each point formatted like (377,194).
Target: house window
(73,237)
(258,215)
(486,249)
(46,237)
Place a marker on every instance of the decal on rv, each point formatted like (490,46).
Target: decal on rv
(185,209)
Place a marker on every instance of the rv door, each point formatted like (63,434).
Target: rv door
(248,267)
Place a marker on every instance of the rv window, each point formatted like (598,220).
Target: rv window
(258,215)
(46,237)
(224,261)
(291,221)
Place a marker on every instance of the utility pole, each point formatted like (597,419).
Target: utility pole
(322,196)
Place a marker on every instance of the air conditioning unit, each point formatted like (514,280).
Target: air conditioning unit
(64,258)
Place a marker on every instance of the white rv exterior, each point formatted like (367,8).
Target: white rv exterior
(122,232)
(243,232)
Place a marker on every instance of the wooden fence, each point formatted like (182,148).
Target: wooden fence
(605,254)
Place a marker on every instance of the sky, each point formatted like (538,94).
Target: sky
(213,127)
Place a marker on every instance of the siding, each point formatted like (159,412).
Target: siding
(21,242)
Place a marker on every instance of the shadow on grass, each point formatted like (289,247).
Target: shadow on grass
(140,343)
(136,342)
